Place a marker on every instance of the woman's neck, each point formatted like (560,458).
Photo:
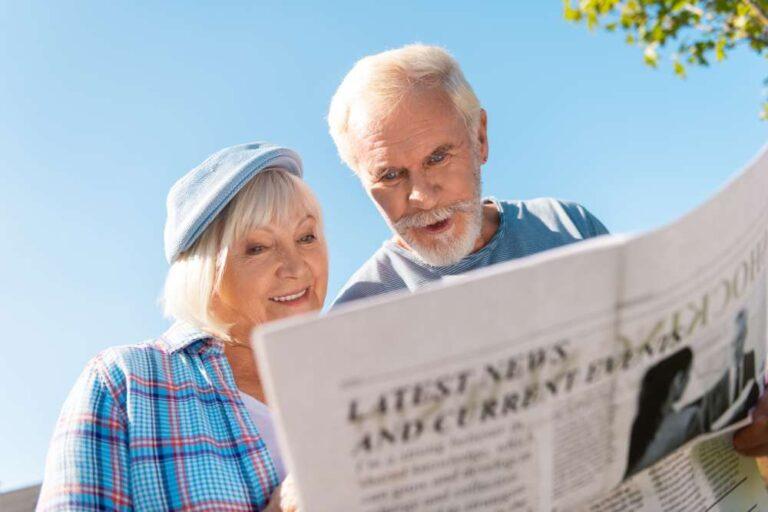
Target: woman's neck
(245,371)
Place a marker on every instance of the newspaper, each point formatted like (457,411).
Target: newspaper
(608,375)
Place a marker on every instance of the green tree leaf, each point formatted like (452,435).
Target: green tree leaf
(679,69)
(703,30)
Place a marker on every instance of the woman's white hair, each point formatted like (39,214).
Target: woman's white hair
(381,81)
(194,278)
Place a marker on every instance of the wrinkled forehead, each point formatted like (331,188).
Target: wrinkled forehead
(397,135)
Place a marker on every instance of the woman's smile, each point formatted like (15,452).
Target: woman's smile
(292,299)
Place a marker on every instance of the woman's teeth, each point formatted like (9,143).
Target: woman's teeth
(286,298)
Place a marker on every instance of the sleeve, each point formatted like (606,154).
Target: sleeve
(87,463)
(377,276)
(358,290)
(587,224)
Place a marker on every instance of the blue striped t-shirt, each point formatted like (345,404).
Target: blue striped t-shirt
(525,228)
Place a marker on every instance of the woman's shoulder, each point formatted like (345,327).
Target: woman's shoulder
(149,359)
(134,358)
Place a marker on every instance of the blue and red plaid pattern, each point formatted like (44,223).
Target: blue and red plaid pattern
(157,426)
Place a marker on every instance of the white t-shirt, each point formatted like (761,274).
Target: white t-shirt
(263,420)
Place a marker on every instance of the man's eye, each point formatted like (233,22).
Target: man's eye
(308,239)
(436,158)
(390,175)
(254,249)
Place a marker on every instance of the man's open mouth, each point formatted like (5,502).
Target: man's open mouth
(438,226)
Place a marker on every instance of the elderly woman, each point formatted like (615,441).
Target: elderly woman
(180,422)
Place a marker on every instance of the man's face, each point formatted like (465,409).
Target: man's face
(421,166)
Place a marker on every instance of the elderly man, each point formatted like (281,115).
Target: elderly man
(407,122)
(409,125)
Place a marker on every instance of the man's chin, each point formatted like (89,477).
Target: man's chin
(439,254)
(443,248)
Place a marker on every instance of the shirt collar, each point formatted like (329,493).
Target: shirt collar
(182,335)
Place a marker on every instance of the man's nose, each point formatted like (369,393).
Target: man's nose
(424,191)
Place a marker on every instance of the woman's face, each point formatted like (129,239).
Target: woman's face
(273,272)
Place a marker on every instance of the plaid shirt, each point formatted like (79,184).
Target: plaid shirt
(158,426)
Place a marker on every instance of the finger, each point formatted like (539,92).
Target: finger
(761,409)
(751,436)
(274,501)
(288,498)
(757,451)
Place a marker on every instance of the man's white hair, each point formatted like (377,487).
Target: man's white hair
(381,81)
(194,278)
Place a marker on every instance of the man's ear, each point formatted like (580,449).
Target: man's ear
(482,135)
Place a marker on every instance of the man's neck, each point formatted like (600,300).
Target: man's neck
(491,221)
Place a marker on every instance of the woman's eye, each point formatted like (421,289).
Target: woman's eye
(254,249)
(307,239)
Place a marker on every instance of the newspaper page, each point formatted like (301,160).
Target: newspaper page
(603,376)
(691,330)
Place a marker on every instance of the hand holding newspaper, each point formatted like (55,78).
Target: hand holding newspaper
(604,376)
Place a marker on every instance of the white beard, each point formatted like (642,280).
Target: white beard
(445,248)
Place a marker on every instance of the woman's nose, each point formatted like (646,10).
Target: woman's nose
(292,264)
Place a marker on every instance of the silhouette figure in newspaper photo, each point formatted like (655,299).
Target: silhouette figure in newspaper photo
(659,426)
(731,397)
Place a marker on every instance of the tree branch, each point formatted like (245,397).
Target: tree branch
(759,11)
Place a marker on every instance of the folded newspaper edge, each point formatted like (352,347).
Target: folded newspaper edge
(605,375)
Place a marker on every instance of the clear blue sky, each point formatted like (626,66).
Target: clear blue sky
(103,106)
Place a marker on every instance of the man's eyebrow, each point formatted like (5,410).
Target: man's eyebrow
(442,148)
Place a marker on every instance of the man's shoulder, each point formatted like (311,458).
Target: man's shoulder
(375,277)
(553,214)
(542,207)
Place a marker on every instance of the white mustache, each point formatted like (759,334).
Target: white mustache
(427,217)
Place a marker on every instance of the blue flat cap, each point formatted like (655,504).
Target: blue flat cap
(198,197)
